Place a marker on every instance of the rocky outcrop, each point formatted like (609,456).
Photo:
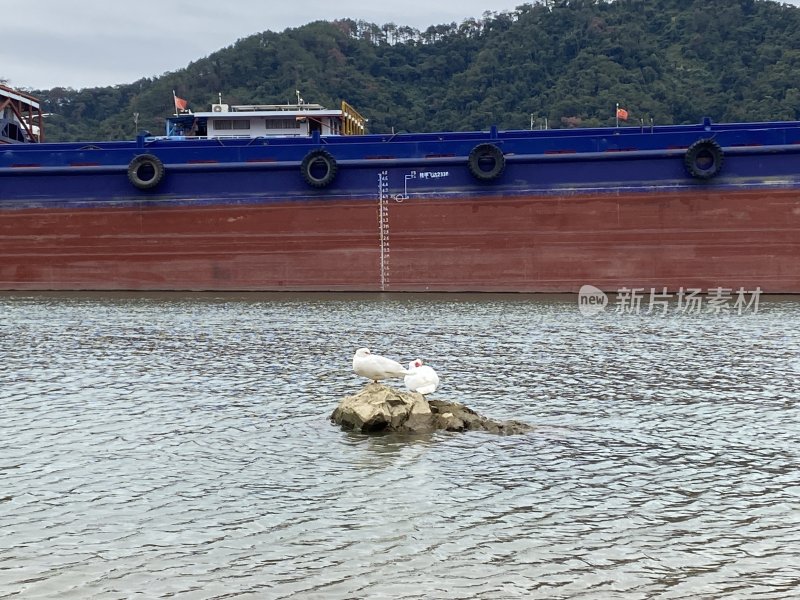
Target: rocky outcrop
(378,408)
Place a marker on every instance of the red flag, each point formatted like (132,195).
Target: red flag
(622,114)
(180,103)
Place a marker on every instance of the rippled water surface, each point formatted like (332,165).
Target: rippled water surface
(179,446)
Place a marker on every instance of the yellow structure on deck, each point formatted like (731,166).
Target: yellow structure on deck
(352,121)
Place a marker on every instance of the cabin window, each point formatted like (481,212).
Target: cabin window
(228,124)
(282,124)
(13,132)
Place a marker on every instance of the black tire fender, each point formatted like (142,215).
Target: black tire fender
(319,168)
(486,162)
(146,171)
(704,159)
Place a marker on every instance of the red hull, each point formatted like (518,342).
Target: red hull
(698,239)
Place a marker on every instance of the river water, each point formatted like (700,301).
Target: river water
(179,446)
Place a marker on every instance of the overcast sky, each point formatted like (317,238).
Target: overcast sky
(88,43)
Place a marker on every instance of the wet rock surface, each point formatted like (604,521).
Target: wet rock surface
(381,409)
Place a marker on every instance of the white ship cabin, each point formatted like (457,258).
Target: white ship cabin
(266,120)
(21,119)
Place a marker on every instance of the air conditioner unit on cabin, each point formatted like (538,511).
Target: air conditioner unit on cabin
(219,108)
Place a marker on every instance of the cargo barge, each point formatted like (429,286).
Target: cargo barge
(299,198)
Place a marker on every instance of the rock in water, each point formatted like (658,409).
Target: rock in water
(453,416)
(378,408)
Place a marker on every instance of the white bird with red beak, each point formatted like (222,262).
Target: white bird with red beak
(421,378)
(376,367)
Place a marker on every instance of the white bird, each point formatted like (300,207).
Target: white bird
(421,378)
(376,367)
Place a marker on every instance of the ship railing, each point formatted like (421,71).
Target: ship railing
(177,136)
(353,123)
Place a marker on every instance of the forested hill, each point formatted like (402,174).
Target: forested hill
(570,61)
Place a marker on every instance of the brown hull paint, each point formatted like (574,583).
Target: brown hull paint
(692,239)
